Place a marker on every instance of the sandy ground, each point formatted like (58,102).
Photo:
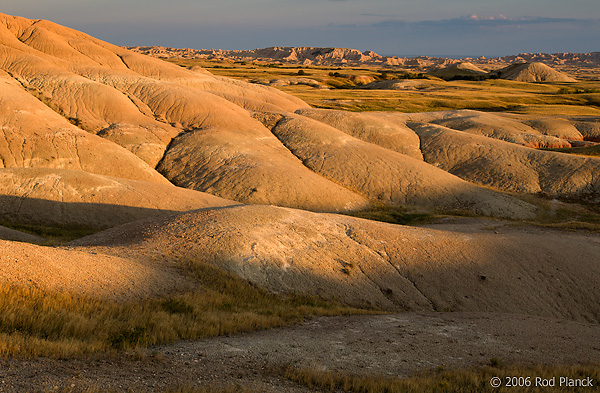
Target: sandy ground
(395,345)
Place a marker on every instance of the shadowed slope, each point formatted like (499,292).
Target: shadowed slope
(360,261)
(18,236)
(89,274)
(67,197)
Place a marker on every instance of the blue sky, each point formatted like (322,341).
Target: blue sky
(455,28)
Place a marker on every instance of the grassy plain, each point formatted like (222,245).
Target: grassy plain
(431,94)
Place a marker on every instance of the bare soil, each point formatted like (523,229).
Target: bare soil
(393,345)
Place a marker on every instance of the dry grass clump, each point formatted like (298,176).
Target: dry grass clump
(447,381)
(185,389)
(36,323)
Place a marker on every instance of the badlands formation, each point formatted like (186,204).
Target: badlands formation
(329,57)
(177,163)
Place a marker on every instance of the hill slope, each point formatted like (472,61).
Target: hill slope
(365,262)
(108,111)
(93,134)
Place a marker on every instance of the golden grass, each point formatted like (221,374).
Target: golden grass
(445,381)
(35,323)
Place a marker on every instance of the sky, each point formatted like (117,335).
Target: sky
(446,28)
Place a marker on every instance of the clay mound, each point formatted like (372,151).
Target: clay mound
(67,197)
(396,85)
(560,128)
(533,72)
(253,167)
(490,125)
(80,53)
(134,100)
(364,262)
(385,175)
(248,90)
(198,130)
(147,106)
(362,79)
(289,82)
(370,127)
(589,128)
(35,136)
(89,274)
(462,69)
(507,166)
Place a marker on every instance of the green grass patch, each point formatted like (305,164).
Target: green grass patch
(581,98)
(592,151)
(36,323)
(54,234)
(566,215)
(446,381)
(394,215)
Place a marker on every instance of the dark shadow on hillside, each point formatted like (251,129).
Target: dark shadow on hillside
(29,213)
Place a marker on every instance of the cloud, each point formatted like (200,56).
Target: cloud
(477,17)
(473,35)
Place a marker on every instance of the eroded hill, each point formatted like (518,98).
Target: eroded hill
(96,135)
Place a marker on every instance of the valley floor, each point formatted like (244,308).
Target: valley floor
(391,345)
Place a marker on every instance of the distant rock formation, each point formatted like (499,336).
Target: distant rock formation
(296,55)
(352,57)
(579,59)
